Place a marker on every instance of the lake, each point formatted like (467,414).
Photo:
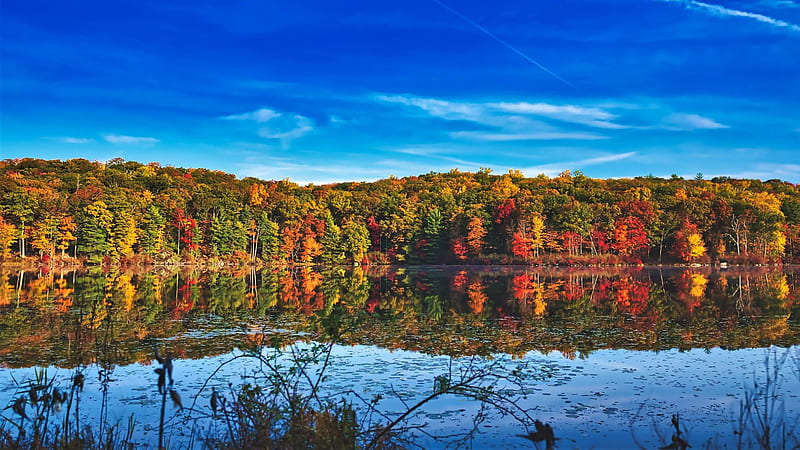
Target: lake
(605,357)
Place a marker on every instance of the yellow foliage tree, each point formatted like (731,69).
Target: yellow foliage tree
(124,292)
(697,285)
(780,287)
(257,194)
(536,233)
(775,243)
(66,229)
(123,234)
(696,245)
(8,233)
(43,235)
(505,187)
(539,302)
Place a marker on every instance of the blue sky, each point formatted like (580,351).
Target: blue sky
(322,91)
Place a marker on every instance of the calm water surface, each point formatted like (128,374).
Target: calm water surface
(625,349)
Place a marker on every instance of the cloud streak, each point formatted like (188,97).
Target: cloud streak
(526,121)
(276,125)
(122,139)
(534,136)
(719,10)
(508,121)
(690,122)
(445,109)
(73,140)
(428,152)
(593,117)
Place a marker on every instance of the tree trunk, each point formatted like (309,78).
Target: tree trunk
(22,240)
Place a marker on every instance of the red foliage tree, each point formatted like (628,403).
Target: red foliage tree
(641,209)
(460,280)
(601,241)
(522,286)
(631,295)
(505,210)
(460,248)
(374,233)
(573,291)
(630,236)
(187,227)
(521,246)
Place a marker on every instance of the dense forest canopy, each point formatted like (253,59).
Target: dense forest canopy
(127,212)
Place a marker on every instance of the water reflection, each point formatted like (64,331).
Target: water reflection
(114,316)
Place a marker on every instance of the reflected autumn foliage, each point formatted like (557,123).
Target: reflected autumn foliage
(73,318)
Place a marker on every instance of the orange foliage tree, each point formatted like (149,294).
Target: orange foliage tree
(630,236)
(476,236)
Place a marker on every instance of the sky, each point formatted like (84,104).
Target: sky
(359,90)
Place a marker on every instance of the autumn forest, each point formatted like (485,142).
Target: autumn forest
(125,212)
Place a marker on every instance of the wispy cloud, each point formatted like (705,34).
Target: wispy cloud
(260,115)
(72,140)
(451,110)
(555,168)
(605,159)
(122,139)
(276,125)
(590,116)
(528,121)
(508,121)
(719,10)
(689,122)
(778,4)
(443,154)
(531,136)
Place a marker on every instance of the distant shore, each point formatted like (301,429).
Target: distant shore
(36,263)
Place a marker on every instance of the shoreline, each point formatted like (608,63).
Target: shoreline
(35,264)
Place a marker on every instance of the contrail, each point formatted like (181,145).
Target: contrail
(720,10)
(506,44)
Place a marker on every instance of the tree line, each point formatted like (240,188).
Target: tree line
(127,212)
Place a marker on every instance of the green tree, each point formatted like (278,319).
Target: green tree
(94,229)
(432,228)
(662,228)
(355,240)
(22,206)
(332,242)
(151,230)
(268,237)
